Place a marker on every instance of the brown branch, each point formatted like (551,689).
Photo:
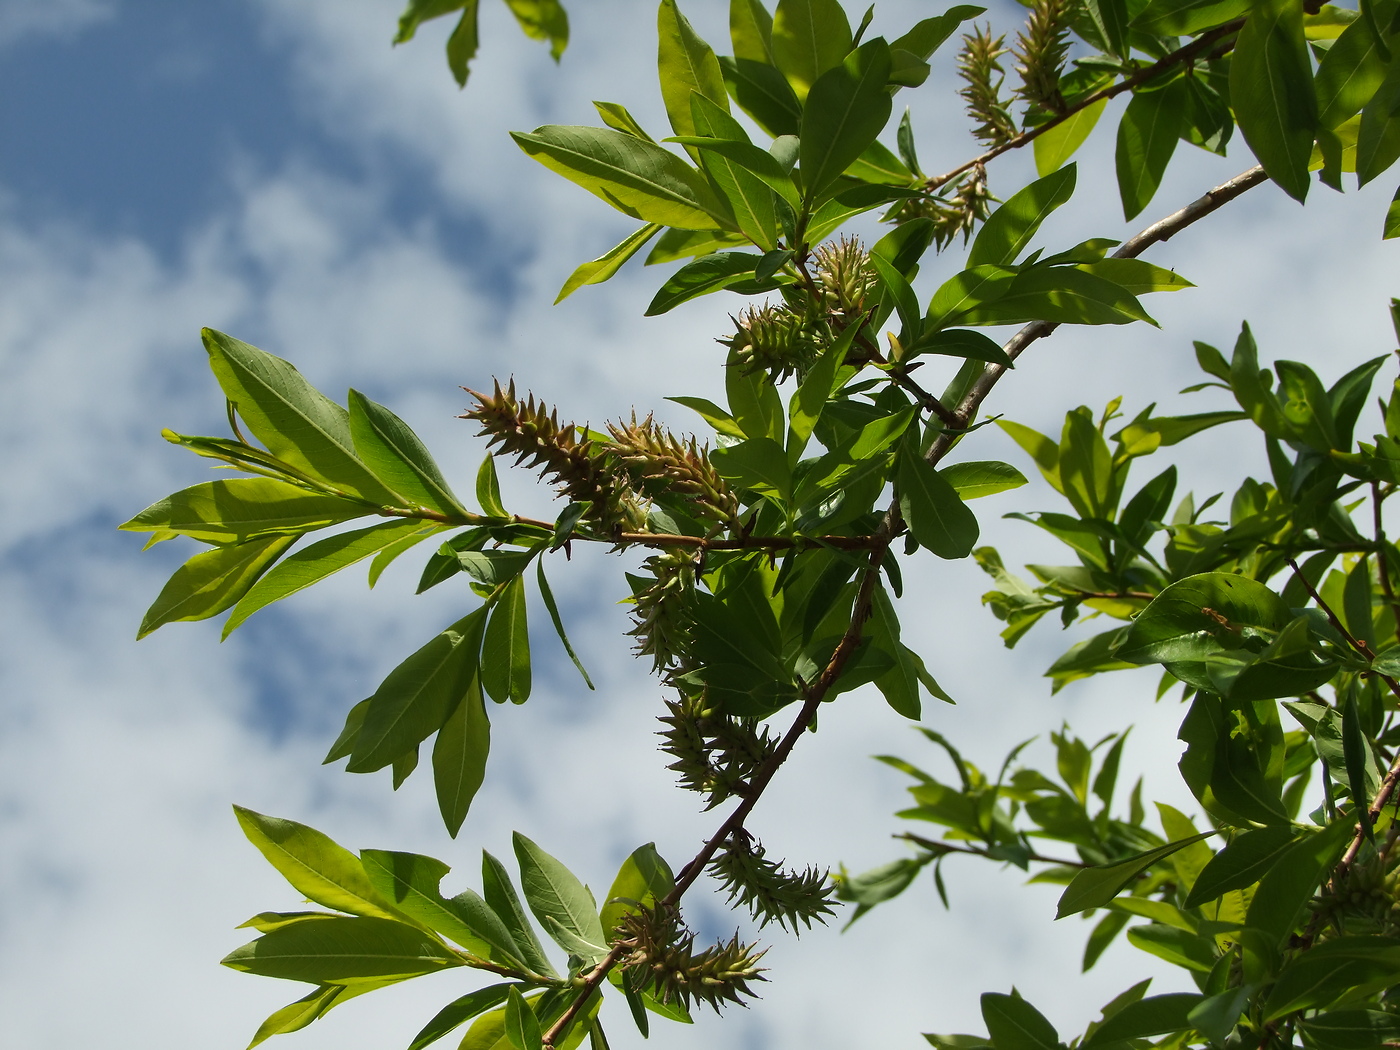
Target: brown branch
(1184,54)
(934,846)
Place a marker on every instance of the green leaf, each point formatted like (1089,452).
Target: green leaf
(1351,1029)
(1392,219)
(398,457)
(420,11)
(1147,137)
(1015,1024)
(966,291)
(1053,148)
(847,108)
(462,44)
(505,653)
(343,949)
(418,695)
(459,1012)
(488,489)
(1184,17)
(296,422)
(717,417)
(764,94)
(548,595)
(935,514)
(543,20)
(1359,759)
(224,512)
(1240,864)
(900,684)
(758,464)
(314,563)
(1191,951)
(459,757)
(318,868)
(1059,294)
(1094,887)
(809,37)
(812,394)
(977,478)
(1282,896)
(598,270)
(1332,970)
(754,400)
(751,30)
(1139,277)
(502,900)
(685,64)
(929,34)
(1378,141)
(1010,228)
(296,1016)
(1350,72)
(964,343)
(1271,91)
(522,1027)
(386,557)
(733,145)
(643,879)
(1155,1015)
(211,581)
(638,178)
(709,273)
(748,194)
(555,895)
(412,882)
(1176,626)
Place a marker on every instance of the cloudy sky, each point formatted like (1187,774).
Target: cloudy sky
(276,170)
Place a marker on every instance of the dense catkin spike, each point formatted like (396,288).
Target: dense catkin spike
(661,616)
(847,283)
(657,462)
(661,958)
(583,469)
(953,213)
(771,892)
(1041,50)
(716,754)
(773,339)
(982,79)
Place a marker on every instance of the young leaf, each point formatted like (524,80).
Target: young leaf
(686,65)
(502,899)
(709,273)
(555,894)
(1271,91)
(211,581)
(418,695)
(809,37)
(459,757)
(976,478)
(314,563)
(398,457)
(1010,228)
(240,509)
(598,270)
(1096,886)
(847,108)
(459,1012)
(505,653)
(638,178)
(317,867)
(343,949)
(1015,1024)
(522,1027)
(548,595)
(935,514)
(296,422)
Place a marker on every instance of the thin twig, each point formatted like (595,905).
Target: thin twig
(1184,54)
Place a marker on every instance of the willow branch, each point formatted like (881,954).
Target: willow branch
(1180,56)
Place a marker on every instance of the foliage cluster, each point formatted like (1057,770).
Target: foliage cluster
(768,551)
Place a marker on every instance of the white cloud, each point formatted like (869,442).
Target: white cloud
(123,872)
(62,18)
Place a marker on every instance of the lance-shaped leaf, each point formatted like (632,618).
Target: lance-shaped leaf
(242,509)
(314,563)
(505,652)
(1282,897)
(751,30)
(1010,228)
(543,20)
(555,895)
(749,196)
(459,757)
(809,37)
(522,1027)
(1182,17)
(211,581)
(418,695)
(1351,1029)
(1094,887)
(686,65)
(1015,1024)
(1378,141)
(1053,148)
(343,949)
(638,178)
(1147,137)
(935,514)
(296,422)
(1271,91)
(643,879)
(900,684)
(707,274)
(1345,967)
(295,1016)
(501,897)
(1155,1015)
(397,455)
(1061,295)
(976,478)
(320,869)
(1349,74)
(602,268)
(847,108)
(552,607)
(459,1012)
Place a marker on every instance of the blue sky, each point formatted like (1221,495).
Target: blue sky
(273,168)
